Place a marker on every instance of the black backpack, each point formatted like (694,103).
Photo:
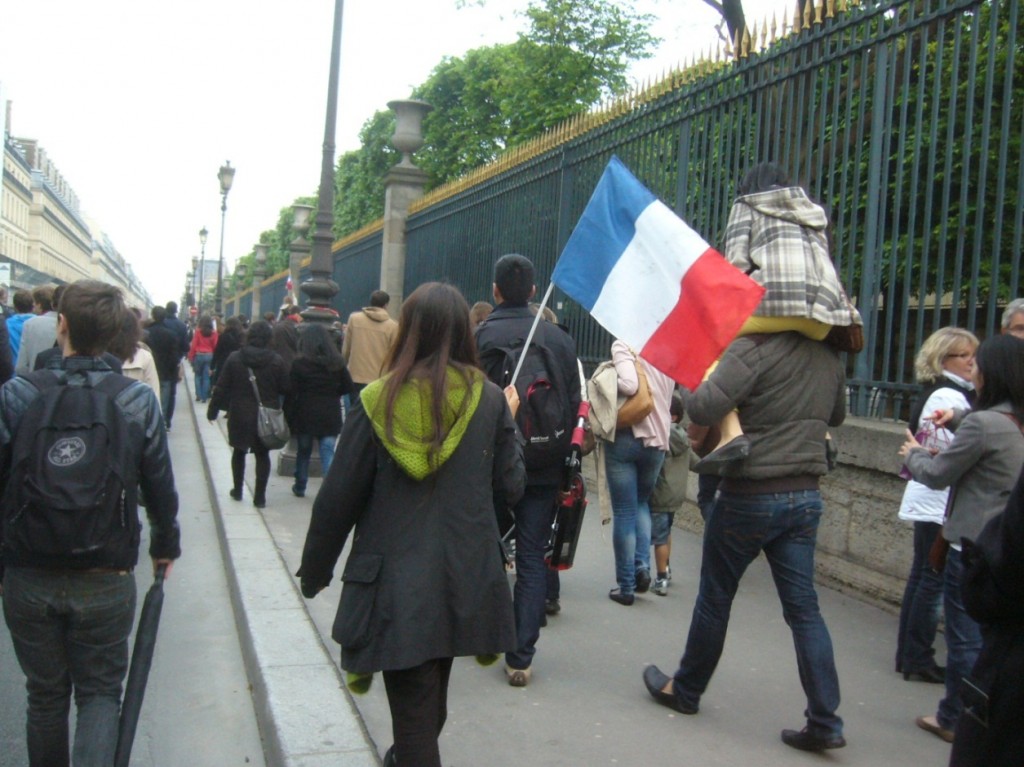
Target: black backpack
(544,416)
(71,499)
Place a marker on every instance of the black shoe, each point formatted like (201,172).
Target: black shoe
(260,502)
(643,581)
(735,449)
(616,595)
(297,492)
(805,741)
(389,758)
(933,675)
(552,607)
(236,493)
(655,682)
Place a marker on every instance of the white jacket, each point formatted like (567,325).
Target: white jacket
(920,503)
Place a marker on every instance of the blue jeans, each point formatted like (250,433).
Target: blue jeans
(632,470)
(70,632)
(201,368)
(534,514)
(303,452)
(963,640)
(785,527)
(168,391)
(922,601)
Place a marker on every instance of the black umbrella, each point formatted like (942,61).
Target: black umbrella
(138,674)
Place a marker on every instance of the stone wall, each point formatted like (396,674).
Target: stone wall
(863,548)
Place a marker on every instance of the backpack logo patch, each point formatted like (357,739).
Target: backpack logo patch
(67,451)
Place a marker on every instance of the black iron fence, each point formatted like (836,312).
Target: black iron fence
(905,119)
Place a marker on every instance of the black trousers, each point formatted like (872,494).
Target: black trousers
(418,698)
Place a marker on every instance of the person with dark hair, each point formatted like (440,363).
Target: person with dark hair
(779,237)
(508,325)
(135,358)
(255,363)
(980,466)
(22,313)
(71,614)
(943,367)
(319,379)
(40,332)
(229,339)
(200,354)
(368,339)
(285,338)
(424,582)
(164,343)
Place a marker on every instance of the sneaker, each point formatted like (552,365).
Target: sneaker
(660,587)
(552,607)
(643,581)
(517,677)
(668,573)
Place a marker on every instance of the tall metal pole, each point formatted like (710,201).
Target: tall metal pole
(225,176)
(202,272)
(321,288)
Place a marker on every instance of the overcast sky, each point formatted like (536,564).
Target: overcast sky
(139,104)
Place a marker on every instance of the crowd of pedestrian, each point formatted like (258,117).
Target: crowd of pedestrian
(435,461)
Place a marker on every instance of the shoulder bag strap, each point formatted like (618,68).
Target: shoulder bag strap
(255,388)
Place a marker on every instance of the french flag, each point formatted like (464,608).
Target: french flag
(652,281)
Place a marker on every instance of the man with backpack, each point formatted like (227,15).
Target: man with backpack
(549,394)
(77,445)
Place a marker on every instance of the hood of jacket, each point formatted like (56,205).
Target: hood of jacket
(789,203)
(413,431)
(255,356)
(376,313)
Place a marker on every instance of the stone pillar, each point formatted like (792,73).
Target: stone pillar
(258,273)
(402,185)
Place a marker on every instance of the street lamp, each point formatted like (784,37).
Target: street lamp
(202,275)
(225,175)
(259,272)
(195,297)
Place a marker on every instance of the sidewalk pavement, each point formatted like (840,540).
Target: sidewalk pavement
(586,704)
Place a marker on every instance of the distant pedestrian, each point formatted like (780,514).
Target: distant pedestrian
(234,393)
(479,312)
(40,332)
(424,582)
(230,337)
(135,358)
(285,340)
(368,339)
(319,379)
(165,346)
(22,313)
(200,354)
(68,592)
(1013,318)
(668,496)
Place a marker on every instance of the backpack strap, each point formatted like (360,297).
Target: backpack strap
(113,384)
(44,378)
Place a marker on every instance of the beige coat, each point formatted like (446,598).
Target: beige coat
(368,339)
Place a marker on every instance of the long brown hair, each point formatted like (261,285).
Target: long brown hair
(433,335)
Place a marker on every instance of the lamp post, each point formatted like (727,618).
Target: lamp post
(202,275)
(321,288)
(225,175)
(195,295)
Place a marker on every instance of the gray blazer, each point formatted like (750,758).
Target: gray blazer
(981,464)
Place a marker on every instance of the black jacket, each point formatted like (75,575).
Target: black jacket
(166,349)
(503,327)
(149,443)
(425,578)
(233,393)
(313,405)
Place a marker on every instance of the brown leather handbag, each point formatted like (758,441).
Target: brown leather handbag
(637,406)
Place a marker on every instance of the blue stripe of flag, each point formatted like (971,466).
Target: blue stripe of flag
(606,227)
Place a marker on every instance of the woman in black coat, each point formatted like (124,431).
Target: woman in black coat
(234,393)
(428,448)
(318,378)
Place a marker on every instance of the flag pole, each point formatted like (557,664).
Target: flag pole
(533,329)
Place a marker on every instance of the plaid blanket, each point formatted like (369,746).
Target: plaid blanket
(778,238)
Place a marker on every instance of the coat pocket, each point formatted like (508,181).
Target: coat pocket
(358,597)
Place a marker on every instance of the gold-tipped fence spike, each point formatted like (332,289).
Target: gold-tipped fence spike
(843,7)
(830,9)
(774,28)
(819,11)
(807,14)
(785,21)
(745,49)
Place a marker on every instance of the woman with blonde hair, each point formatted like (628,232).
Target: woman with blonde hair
(943,367)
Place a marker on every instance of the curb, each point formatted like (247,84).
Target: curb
(304,713)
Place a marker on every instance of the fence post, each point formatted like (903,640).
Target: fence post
(873,236)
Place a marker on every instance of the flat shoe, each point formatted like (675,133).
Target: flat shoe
(934,675)
(655,682)
(735,449)
(931,724)
(804,740)
(616,595)
(517,677)
(643,581)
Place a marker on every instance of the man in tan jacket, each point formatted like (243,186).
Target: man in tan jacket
(368,340)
